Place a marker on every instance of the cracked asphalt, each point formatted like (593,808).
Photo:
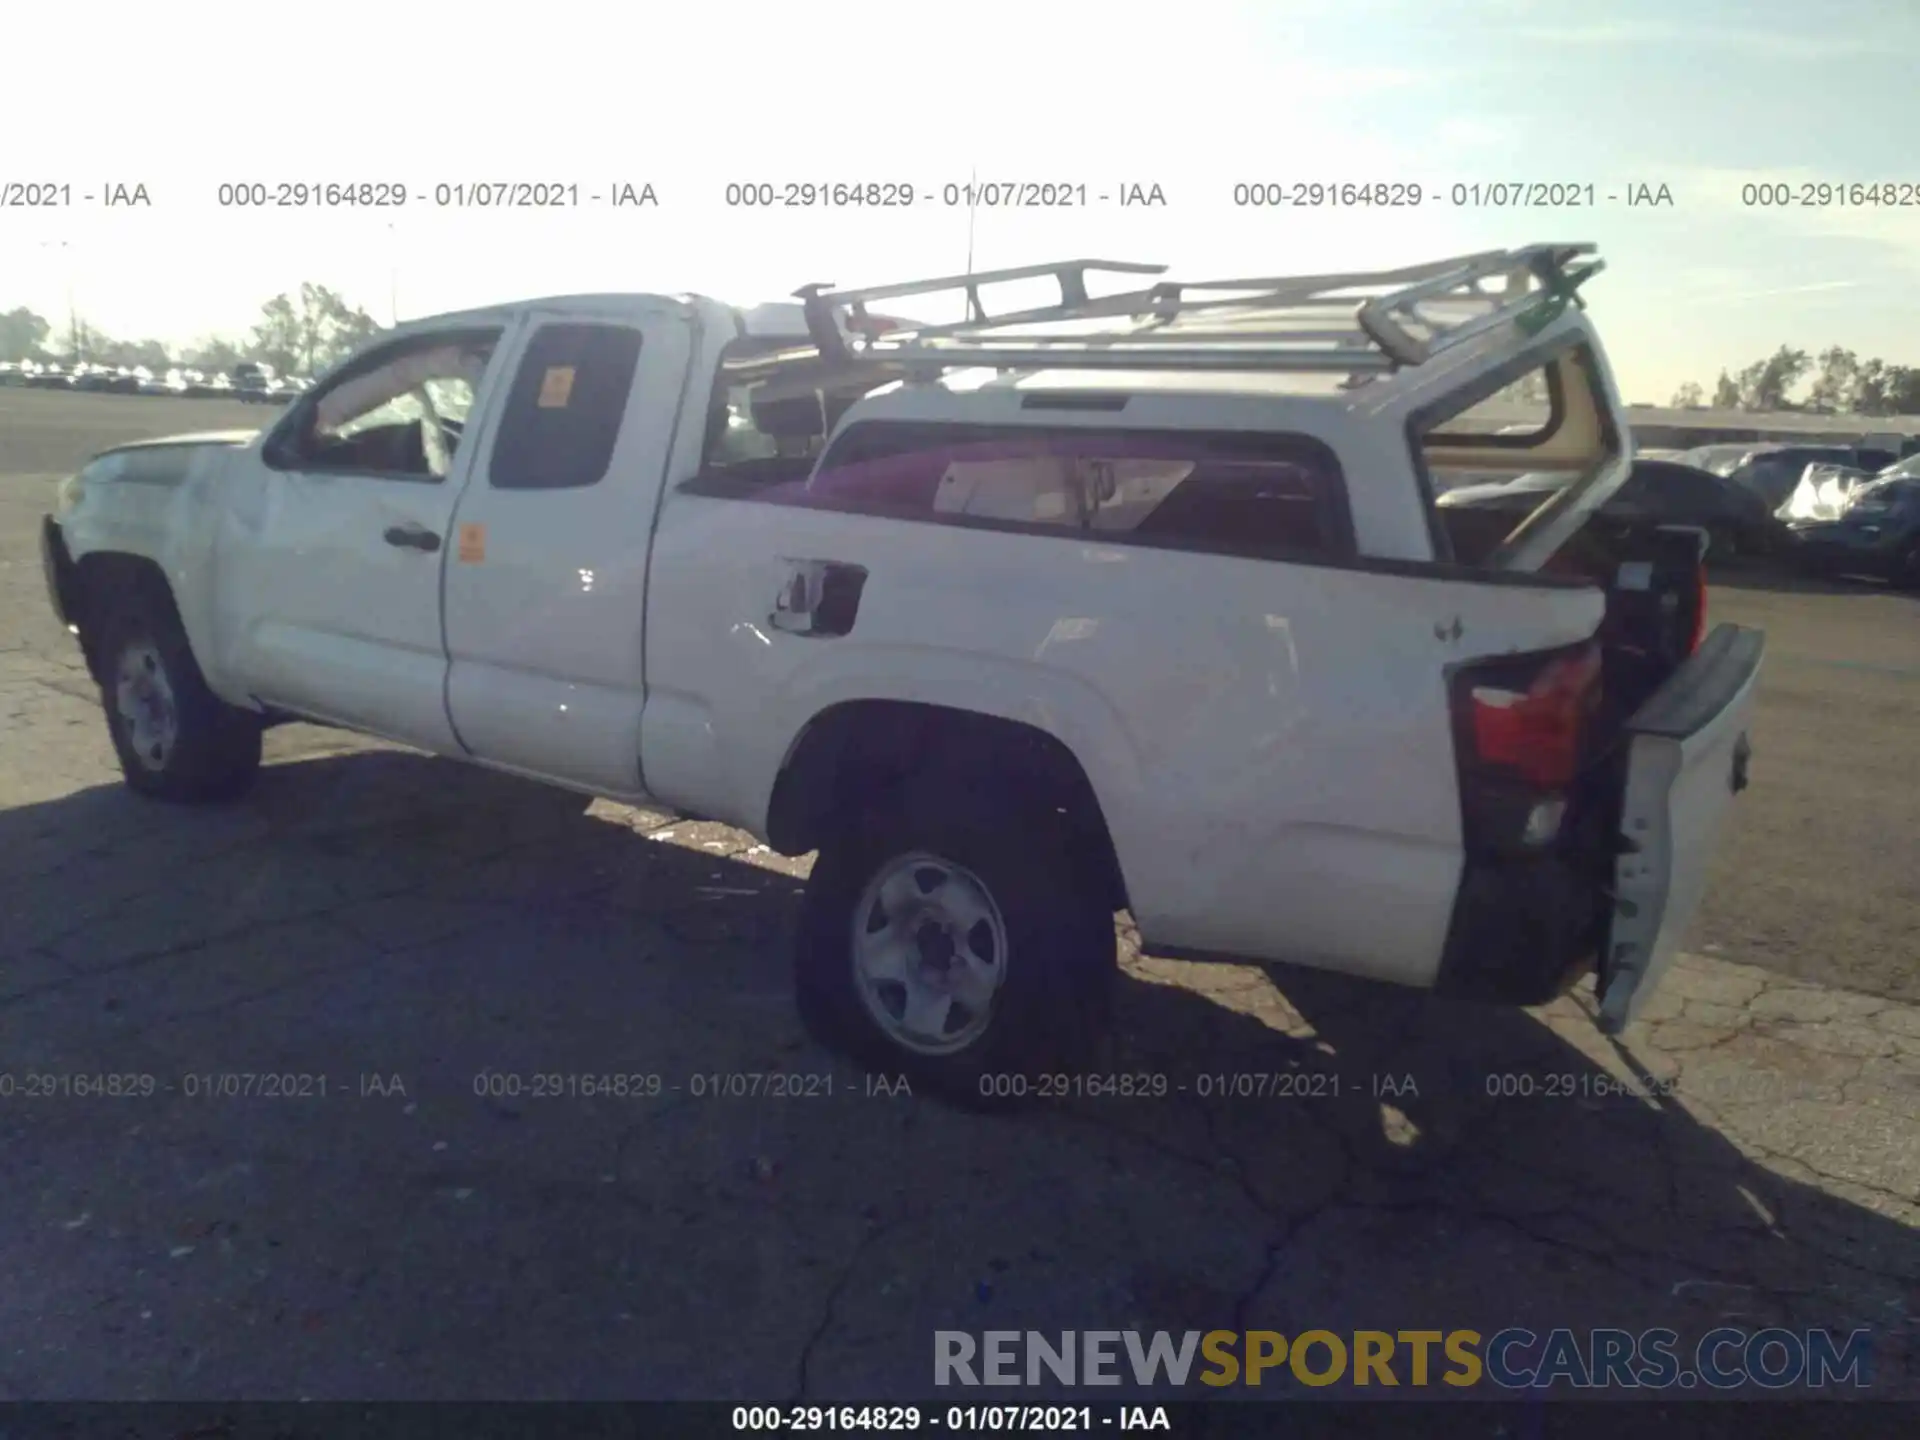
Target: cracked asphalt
(397,926)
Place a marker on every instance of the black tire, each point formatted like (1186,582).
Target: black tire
(215,750)
(1054,1003)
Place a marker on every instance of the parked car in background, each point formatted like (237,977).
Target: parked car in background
(253,382)
(48,375)
(12,372)
(1877,534)
(280,390)
(174,383)
(1878,451)
(1824,492)
(107,379)
(1772,472)
(1658,492)
(1724,459)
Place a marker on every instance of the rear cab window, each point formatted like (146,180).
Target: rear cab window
(764,436)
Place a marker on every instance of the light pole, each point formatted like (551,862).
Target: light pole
(73,315)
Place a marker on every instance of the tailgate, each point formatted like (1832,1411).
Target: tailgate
(1686,759)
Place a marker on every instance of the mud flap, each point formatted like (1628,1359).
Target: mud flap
(1687,758)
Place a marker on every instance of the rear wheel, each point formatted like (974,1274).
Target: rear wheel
(176,740)
(956,938)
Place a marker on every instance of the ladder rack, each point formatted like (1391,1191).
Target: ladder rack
(1360,322)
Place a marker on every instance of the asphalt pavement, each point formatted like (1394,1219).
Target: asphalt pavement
(403,945)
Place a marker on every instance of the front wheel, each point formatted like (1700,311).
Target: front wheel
(958,941)
(176,739)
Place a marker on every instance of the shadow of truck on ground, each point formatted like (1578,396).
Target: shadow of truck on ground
(425,942)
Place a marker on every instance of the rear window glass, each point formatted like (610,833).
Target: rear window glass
(749,424)
(767,431)
(1520,413)
(1258,495)
(563,414)
(1482,427)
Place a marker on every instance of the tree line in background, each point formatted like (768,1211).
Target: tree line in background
(1841,384)
(298,333)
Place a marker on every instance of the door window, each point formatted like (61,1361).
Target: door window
(399,414)
(563,414)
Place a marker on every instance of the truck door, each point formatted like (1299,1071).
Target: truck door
(546,589)
(330,564)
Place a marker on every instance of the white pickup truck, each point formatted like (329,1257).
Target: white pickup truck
(1138,601)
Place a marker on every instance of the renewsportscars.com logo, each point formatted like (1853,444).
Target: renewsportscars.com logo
(1514,1359)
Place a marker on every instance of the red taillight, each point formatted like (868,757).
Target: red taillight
(1537,732)
(1699,610)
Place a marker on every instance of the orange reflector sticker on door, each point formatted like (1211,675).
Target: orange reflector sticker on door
(473,544)
(555,387)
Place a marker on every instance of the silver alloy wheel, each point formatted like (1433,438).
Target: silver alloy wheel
(144,697)
(929,953)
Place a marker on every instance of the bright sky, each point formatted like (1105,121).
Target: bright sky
(1194,97)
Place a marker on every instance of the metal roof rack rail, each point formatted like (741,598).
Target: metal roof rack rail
(829,327)
(1359,322)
